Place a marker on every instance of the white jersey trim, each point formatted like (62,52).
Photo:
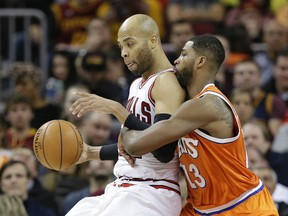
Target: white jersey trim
(232,203)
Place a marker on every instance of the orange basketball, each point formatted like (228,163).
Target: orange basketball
(57,144)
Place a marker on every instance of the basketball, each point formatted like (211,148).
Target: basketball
(58,144)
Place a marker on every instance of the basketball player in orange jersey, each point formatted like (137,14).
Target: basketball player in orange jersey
(151,186)
(211,151)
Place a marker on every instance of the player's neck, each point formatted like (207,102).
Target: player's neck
(197,85)
(160,64)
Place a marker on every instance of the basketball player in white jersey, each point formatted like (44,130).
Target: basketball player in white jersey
(150,187)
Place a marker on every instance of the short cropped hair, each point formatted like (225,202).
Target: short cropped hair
(209,45)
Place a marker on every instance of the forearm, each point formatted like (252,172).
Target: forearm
(142,142)
(105,152)
(163,154)
(93,152)
(120,112)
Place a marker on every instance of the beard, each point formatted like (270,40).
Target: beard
(145,59)
(181,80)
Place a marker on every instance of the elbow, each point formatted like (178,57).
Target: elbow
(132,149)
(129,148)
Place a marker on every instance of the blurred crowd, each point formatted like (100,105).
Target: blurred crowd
(83,56)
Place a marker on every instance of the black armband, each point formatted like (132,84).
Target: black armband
(133,123)
(165,153)
(109,152)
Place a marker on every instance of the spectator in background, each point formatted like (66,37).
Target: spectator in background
(206,15)
(69,99)
(117,72)
(34,33)
(99,173)
(280,143)
(92,72)
(240,44)
(116,11)
(34,29)
(253,14)
(268,107)
(96,128)
(224,75)
(180,32)
(255,157)
(36,190)
(257,135)
(71,19)
(62,74)
(278,83)
(62,67)
(28,80)
(252,19)
(91,61)
(11,206)
(243,103)
(98,38)
(278,191)
(19,113)
(274,39)
(14,180)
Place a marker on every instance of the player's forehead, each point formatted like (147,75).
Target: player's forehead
(127,34)
(188,47)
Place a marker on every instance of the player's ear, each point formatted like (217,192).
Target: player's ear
(153,41)
(201,61)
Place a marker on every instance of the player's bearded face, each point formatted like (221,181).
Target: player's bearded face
(143,60)
(184,72)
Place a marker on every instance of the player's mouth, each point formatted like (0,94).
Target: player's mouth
(129,65)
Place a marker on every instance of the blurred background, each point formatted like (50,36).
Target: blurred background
(51,48)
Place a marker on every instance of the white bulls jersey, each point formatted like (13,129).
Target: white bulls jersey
(142,105)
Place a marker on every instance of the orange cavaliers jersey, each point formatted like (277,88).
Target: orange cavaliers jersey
(216,170)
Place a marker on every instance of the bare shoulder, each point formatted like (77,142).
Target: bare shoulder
(167,93)
(168,81)
(221,109)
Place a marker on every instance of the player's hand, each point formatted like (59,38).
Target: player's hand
(130,159)
(84,156)
(89,153)
(91,102)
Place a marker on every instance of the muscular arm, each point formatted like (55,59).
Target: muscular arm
(209,113)
(167,94)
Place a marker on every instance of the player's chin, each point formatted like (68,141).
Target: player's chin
(181,80)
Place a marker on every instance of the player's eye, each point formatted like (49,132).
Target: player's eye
(130,44)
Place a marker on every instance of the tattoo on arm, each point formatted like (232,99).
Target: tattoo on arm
(223,111)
